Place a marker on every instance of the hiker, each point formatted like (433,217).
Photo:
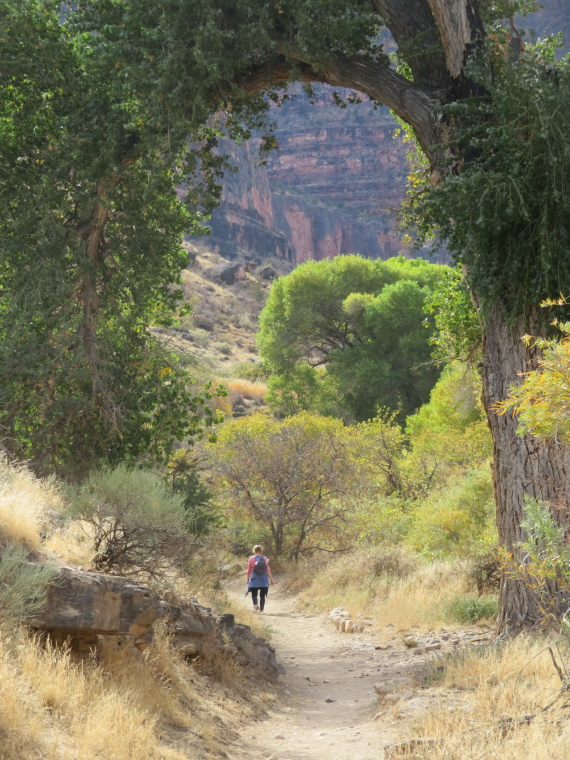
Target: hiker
(258,577)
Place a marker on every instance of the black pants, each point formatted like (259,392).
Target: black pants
(262,594)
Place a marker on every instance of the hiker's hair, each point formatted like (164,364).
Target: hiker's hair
(257,548)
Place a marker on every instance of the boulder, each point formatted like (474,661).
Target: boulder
(338,614)
(232,569)
(82,605)
(250,652)
(229,273)
(85,608)
(267,273)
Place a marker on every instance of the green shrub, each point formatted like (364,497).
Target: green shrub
(23,585)
(468,608)
(222,347)
(456,520)
(386,521)
(255,372)
(138,523)
(200,337)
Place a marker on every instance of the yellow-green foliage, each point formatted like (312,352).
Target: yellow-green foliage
(451,428)
(428,485)
(432,481)
(298,477)
(542,401)
(451,435)
(456,519)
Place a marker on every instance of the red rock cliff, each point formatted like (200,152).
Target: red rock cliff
(335,183)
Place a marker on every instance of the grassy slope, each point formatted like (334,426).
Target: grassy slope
(120,705)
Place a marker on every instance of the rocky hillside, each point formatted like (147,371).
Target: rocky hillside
(226,301)
(552,16)
(336,182)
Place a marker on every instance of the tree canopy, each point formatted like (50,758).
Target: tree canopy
(365,322)
(296,477)
(91,227)
(505,216)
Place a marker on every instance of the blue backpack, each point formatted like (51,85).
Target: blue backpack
(260,566)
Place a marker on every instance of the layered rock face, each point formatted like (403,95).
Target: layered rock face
(85,608)
(337,180)
(332,187)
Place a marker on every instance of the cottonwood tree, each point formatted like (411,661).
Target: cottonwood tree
(197,57)
(91,227)
(297,477)
(508,272)
(364,321)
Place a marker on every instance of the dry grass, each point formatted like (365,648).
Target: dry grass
(491,687)
(25,504)
(123,707)
(71,544)
(390,586)
(121,704)
(244,389)
(419,600)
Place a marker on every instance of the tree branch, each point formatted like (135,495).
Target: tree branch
(361,73)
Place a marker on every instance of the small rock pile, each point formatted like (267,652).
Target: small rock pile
(446,640)
(344,623)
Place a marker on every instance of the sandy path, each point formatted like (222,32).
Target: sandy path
(321,663)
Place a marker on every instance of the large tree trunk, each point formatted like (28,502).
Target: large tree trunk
(523,465)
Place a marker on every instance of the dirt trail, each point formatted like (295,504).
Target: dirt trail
(321,663)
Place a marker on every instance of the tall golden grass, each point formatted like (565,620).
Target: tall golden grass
(495,689)
(244,389)
(26,503)
(390,586)
(120,704)
(126,706)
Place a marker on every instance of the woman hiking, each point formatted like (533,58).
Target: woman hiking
(258,577)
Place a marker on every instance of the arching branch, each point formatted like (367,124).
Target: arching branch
(363,74)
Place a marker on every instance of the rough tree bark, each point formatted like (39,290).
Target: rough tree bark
(435,38)
(522,465)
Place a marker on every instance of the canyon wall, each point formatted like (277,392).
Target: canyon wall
(333,186)
(337,180)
